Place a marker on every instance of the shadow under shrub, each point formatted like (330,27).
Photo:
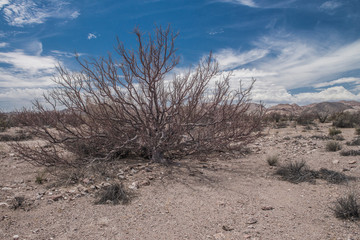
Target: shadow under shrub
(298,171)
(350,152)
(347,207)
(355,142)
(114,194)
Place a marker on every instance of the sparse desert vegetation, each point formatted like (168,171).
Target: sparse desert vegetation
(148,159)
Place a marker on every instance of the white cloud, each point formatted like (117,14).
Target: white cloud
(338,81)
(229,59)
(74,15)
(25,12)
(300,63)
(91,36)
(3,3)
(17,98)
(65,54)
(330,5)
(3,44)
(249,3)
(23,62)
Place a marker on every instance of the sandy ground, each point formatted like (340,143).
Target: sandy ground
(221,198)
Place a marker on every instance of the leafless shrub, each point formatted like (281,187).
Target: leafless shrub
(322,116)
(346,119)
(130,105)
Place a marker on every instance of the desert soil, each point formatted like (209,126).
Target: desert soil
(224,197)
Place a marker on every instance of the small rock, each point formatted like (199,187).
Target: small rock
(335,161)
(352,162)
(267,208)
(134,185)
(16,237)
(227,228)
(6,188)
(4,204)
(346,169)
(86,180)
(145,183)
(56,197)
(251,221)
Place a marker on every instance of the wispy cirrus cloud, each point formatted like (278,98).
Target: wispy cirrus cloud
(230,59)
(281,64)
(330,5)
(91,36)
(26,12)
(354,80)
(3,44)
(249,3)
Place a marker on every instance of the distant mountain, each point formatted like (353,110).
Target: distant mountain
(326,107)
(323,107)
(285,109)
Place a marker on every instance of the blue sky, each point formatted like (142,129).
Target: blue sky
(299,51)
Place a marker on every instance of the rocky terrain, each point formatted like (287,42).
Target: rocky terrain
(219,197)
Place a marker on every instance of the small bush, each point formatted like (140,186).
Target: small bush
(347,207)
(346,120)
(357,131)
(355,142)
(296,172)
(333,146)
(272,160)
(40,178)
(334,131)
(305,119)
(350,152)
(114,194)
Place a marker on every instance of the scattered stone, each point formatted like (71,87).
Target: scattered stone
(6,188)
(16,237)
(346,169)
(251,221)
(134,185)
(352,162)
(267,208)
(145,183)
(56,197)
(335,161)
(227,228)
(4,204)
(86,180)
